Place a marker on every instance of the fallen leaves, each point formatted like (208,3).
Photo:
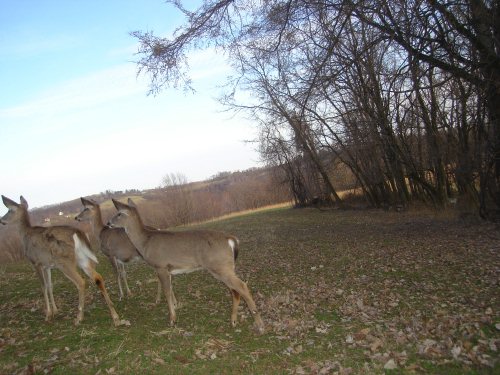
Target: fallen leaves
(212,348)
(390,365)
(339,292)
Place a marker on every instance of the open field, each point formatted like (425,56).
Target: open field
(348,292)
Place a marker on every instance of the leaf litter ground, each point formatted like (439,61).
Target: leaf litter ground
(341,292)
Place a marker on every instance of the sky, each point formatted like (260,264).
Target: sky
(76,120)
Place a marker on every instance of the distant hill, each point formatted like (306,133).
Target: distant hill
(169,206)
(223,193)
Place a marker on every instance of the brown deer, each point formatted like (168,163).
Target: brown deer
(61,247)
(114,243)
(172,253)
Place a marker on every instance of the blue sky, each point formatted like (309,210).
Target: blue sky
(75,119)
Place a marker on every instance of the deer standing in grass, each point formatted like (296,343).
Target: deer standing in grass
(61,247)
(171,253)
(114,243)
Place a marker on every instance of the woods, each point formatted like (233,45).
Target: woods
(404,94)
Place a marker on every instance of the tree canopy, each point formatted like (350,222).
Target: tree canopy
(406,94)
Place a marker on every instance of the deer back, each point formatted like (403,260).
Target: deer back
(51,245)
(186,250)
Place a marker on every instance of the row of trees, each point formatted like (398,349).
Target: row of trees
(178,202)
(406,94)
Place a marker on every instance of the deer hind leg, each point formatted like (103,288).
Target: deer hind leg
(99,281)
(236,303)
(235,284)
(72,274)
(166,282)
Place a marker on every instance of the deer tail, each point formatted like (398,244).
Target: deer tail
(234,243)
(84,256)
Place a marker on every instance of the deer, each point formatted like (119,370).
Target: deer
(114,243)
(62,247)
(177,252)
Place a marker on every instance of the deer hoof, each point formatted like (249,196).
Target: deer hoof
(259,327)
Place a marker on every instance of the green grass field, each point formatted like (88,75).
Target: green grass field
(346,292)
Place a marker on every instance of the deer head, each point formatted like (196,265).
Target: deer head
(17,211)
(89,211)
(126,217)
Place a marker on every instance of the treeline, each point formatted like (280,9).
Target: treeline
(406,94)
(180,203)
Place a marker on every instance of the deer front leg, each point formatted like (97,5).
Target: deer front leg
(124,276)
(51,294)
(158,292)
(44,280)
(116,268)
(174,300)
(166,282)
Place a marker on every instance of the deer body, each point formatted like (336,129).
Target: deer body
(173,253)
(62,247)
(114,243)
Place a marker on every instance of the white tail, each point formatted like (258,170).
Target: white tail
(114,243)
(180,252)
(60,247)
(84,256)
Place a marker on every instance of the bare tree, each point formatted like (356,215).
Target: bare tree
(406,94)
(179,199)
(461,38)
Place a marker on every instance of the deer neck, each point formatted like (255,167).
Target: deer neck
(25,230)
(24,223)
(137,234)
(97,224)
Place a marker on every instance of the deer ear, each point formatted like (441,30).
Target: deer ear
(87,202)
(131,203)
(119,205)
(9,202)
(24,202)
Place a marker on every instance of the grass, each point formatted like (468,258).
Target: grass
(343,292)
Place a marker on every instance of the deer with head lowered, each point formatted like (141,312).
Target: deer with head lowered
(62,247)
(114,243)
(171,253)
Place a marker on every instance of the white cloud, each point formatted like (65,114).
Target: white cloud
(83,92)
(32,42)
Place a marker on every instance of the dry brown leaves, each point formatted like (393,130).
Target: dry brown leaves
(404,290)
(212,349)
